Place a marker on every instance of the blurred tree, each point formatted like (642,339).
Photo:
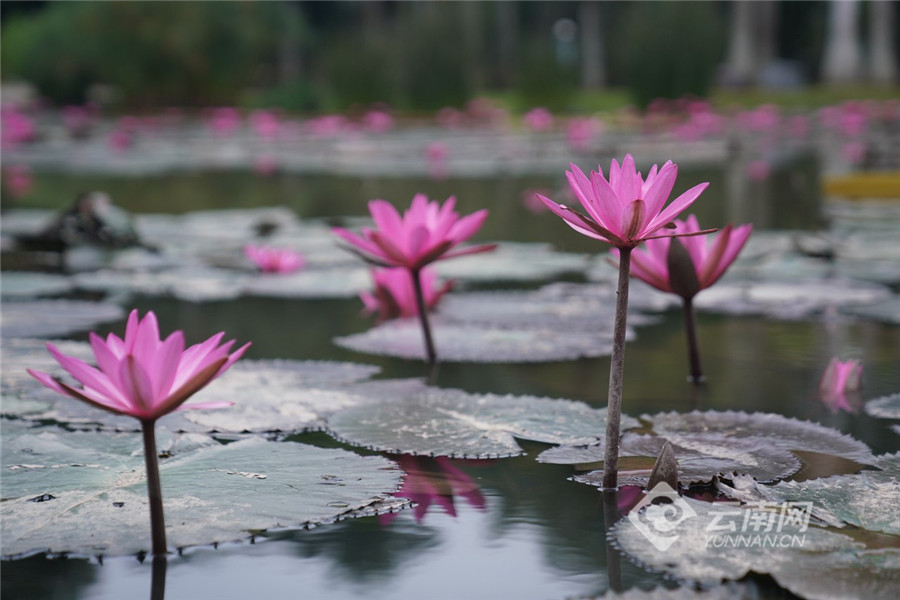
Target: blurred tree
(153,53)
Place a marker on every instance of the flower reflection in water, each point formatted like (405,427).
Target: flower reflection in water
(839,386)
(434,480)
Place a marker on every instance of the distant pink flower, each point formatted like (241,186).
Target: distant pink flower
(78,120)
(327,125)
(762,119)
(436,153)
(853,152)
(394,296)
(274,260)
(758,170)
(17,179)
(538,119)
(425,233)
(265,165)
(710,255)
(434,481)
(143,376)
(840,384)
(580,132)
(378,121)
(224,120)
(265,124)
(626,209)
(15,126)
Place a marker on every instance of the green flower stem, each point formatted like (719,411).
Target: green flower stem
(423,316)
(616,373)
(690,326)
(154,489)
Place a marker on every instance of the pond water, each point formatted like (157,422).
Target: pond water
(532,533)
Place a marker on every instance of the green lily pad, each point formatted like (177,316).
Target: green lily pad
(445,422)
(20,284)
(513,262)
(213,493)
(49,318)
(809,561)
(887,407)
(776,430)
(460,342)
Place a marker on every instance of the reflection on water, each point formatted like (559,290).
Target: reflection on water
(521,529)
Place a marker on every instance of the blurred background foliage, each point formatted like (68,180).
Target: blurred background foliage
(331,56)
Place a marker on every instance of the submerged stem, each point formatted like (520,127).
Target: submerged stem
(154,489)
(158,581)
(696,376)
(616,372)
(423,316)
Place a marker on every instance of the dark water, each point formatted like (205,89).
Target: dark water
(537,534)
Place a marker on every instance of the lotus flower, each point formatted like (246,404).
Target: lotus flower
(425,233)
(538,119)
(142,376)
(395,294)
(840,384)
(626,209)
(145,377)
(274,260)
(708,261)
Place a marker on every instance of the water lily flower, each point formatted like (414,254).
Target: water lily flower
(274,260)
(625,209)
(688,265)
(394,296)
(840,382)
(144,377)
(538,119)
(425,233)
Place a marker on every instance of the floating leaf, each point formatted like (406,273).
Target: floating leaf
(776,430)
(211,494)
(20,284)
(471,343)
(311,283)
(48,318)
(700,458)
(812,562)
(559,307)
(513,262)
(886,311)
(444,422)
(887,407)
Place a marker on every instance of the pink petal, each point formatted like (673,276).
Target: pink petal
(659,192)
(386,218)
(137,386)
(467,226)
(87,375)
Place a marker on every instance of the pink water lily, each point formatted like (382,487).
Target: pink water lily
(143,376)
(710,257)
(274,260)
(394,296)
(626,209)
(425,233)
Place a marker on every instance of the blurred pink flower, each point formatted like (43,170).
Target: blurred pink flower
(424,234)
(853,152)
(224,120)
(394,296)
(626,209)
(17,180)
(710,257)
(15,126)
(797,126)
(840,385)
(265,165)
(762,119)
(581,131)
(538,119)
(450,118)
(378,121)
(265,124)
(274,260)
(758,169)
(143,376)
(434,481)
(436,153)
(327,125)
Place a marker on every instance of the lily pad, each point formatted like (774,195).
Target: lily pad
(311,283)
(558,306)
(886,311)
(49,318)
(700,458)
(809,561)
(453,423)
(776,430)
(193,283)
(456,342)
(211,494)
(887,407)
(20,284)
(514,262)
